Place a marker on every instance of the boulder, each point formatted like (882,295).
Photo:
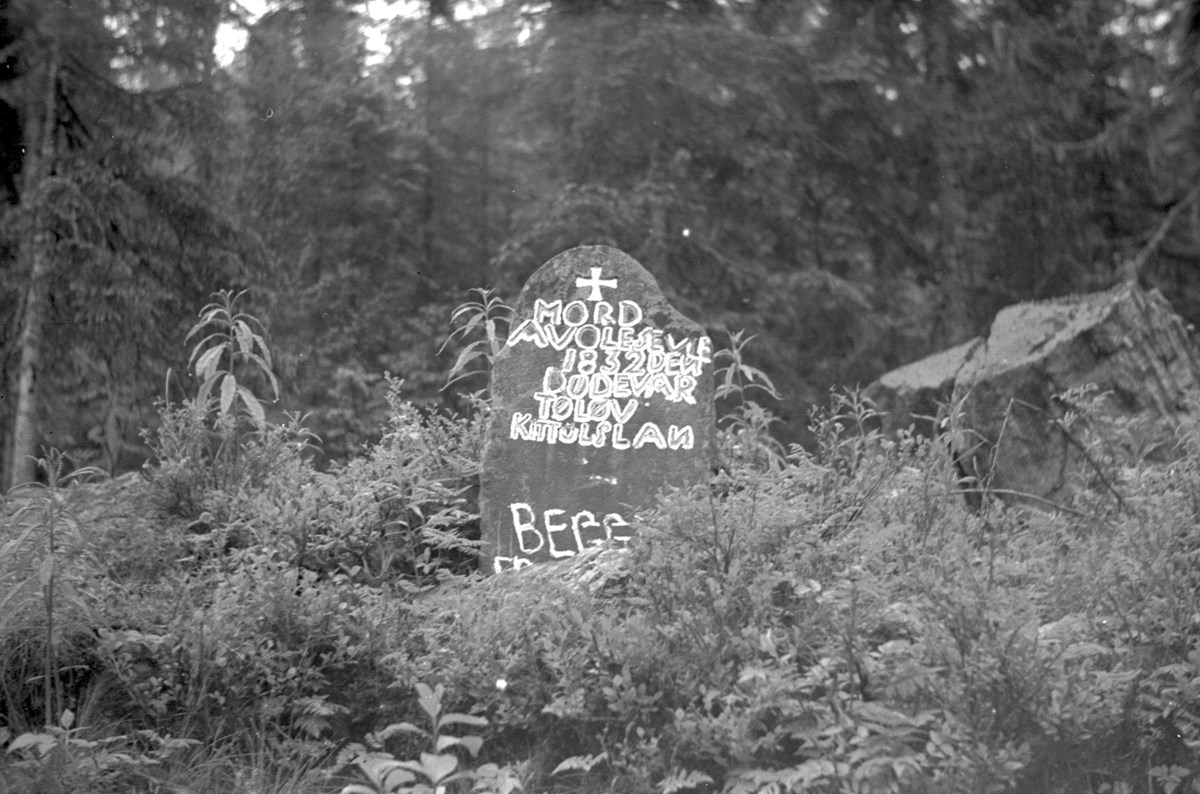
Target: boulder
(1013,433)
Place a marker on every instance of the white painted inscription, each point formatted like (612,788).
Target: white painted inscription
(610,367)
(558,533)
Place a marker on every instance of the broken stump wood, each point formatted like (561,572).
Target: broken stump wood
(1011,431)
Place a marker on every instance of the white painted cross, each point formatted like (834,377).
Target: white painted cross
(595,282)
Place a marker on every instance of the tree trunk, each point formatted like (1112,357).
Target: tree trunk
(34,259)
(483,273)
(959,273)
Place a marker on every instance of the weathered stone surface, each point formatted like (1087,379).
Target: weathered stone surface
(602,396)
(910,395)
(1126,342)
(1006,430)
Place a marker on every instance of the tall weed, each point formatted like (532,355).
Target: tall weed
(43,607)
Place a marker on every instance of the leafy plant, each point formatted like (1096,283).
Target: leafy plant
(202,445)
(846,430)
(487,318)
(397,516)
(433,772)
(234,342)
(580,763)
(749,422)
(60,757)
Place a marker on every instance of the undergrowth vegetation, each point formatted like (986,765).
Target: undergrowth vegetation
(827,620)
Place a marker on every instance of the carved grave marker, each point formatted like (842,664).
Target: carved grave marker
(602,395)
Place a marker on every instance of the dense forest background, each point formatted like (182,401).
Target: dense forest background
(857,182)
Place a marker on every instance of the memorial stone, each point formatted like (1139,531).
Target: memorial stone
(602,395)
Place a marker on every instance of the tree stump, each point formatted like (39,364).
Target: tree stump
(1016,430)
